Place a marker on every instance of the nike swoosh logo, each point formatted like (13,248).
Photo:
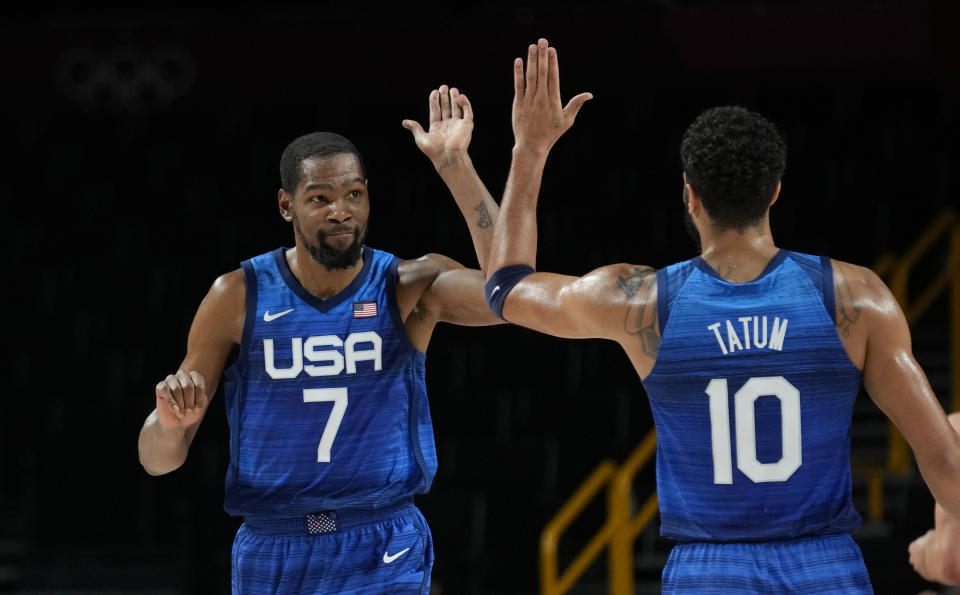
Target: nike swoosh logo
(495,290)
(267,316)
(387,558)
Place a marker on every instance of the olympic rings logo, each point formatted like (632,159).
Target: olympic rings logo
(125,78)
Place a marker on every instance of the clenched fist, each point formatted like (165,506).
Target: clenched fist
(181,399)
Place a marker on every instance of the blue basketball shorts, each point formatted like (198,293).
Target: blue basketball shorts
(823,564)
(388,550)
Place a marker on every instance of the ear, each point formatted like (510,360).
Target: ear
(693,200)
(284,201)
(776,194)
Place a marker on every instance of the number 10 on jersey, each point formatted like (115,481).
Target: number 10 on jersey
(744,401)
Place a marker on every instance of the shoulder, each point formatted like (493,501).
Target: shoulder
(862,286)
(620,283)
(627,298)
(227,297)
(854,273)
(221,314)
(866,311)
(415,278)
(627,277)
(229,285)
(424,269)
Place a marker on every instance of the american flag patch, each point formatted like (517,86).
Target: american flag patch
(364,309)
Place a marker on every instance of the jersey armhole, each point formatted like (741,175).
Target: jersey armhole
(663,299)
(249,319)
(393,278)
(829,292)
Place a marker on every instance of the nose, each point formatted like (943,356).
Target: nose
(339,211)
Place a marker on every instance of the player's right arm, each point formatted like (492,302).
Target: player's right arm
(183,396)
(936,555)
(875,332)
(616,302)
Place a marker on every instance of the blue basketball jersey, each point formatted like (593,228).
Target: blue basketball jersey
(326,399)
(752,395)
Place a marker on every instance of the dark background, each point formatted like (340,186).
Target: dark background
(141,151)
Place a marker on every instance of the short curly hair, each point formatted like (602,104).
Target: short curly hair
(314,144)
(734,159)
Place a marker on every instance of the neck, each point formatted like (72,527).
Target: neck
(739,256)
(316,278)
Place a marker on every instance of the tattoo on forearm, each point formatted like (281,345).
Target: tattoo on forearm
(484,221)
(640,289)
(848,312)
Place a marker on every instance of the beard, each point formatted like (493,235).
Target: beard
(688,222)
(331,258)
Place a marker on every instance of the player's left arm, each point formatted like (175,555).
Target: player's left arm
(436,288)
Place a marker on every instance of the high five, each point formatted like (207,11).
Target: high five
(751,356)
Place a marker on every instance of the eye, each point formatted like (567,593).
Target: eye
(318,198)
(354,194)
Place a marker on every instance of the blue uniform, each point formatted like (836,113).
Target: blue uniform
(330,437)
(752,395)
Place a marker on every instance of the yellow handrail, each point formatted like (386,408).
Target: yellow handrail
(620,528)
(620,558)
(550,582)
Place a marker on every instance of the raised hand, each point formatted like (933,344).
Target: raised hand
(181,398)
(450,128)
(539,119)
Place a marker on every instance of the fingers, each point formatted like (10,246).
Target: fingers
(553,75)
(413,126)
(464,104)
(187,388)
(200,390)
(444,102)
(183,392)
(455,110)
(434,102)
(165,393)
(517,80)
(574,105)
(542,64)
(531,68)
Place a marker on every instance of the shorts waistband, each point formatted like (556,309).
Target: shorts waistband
(326,521)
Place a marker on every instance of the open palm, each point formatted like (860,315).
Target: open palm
(450,128)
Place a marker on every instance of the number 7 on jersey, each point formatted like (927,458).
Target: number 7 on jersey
(339,398)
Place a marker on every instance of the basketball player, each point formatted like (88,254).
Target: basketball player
(751,356)
(322,349)
(935,555)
